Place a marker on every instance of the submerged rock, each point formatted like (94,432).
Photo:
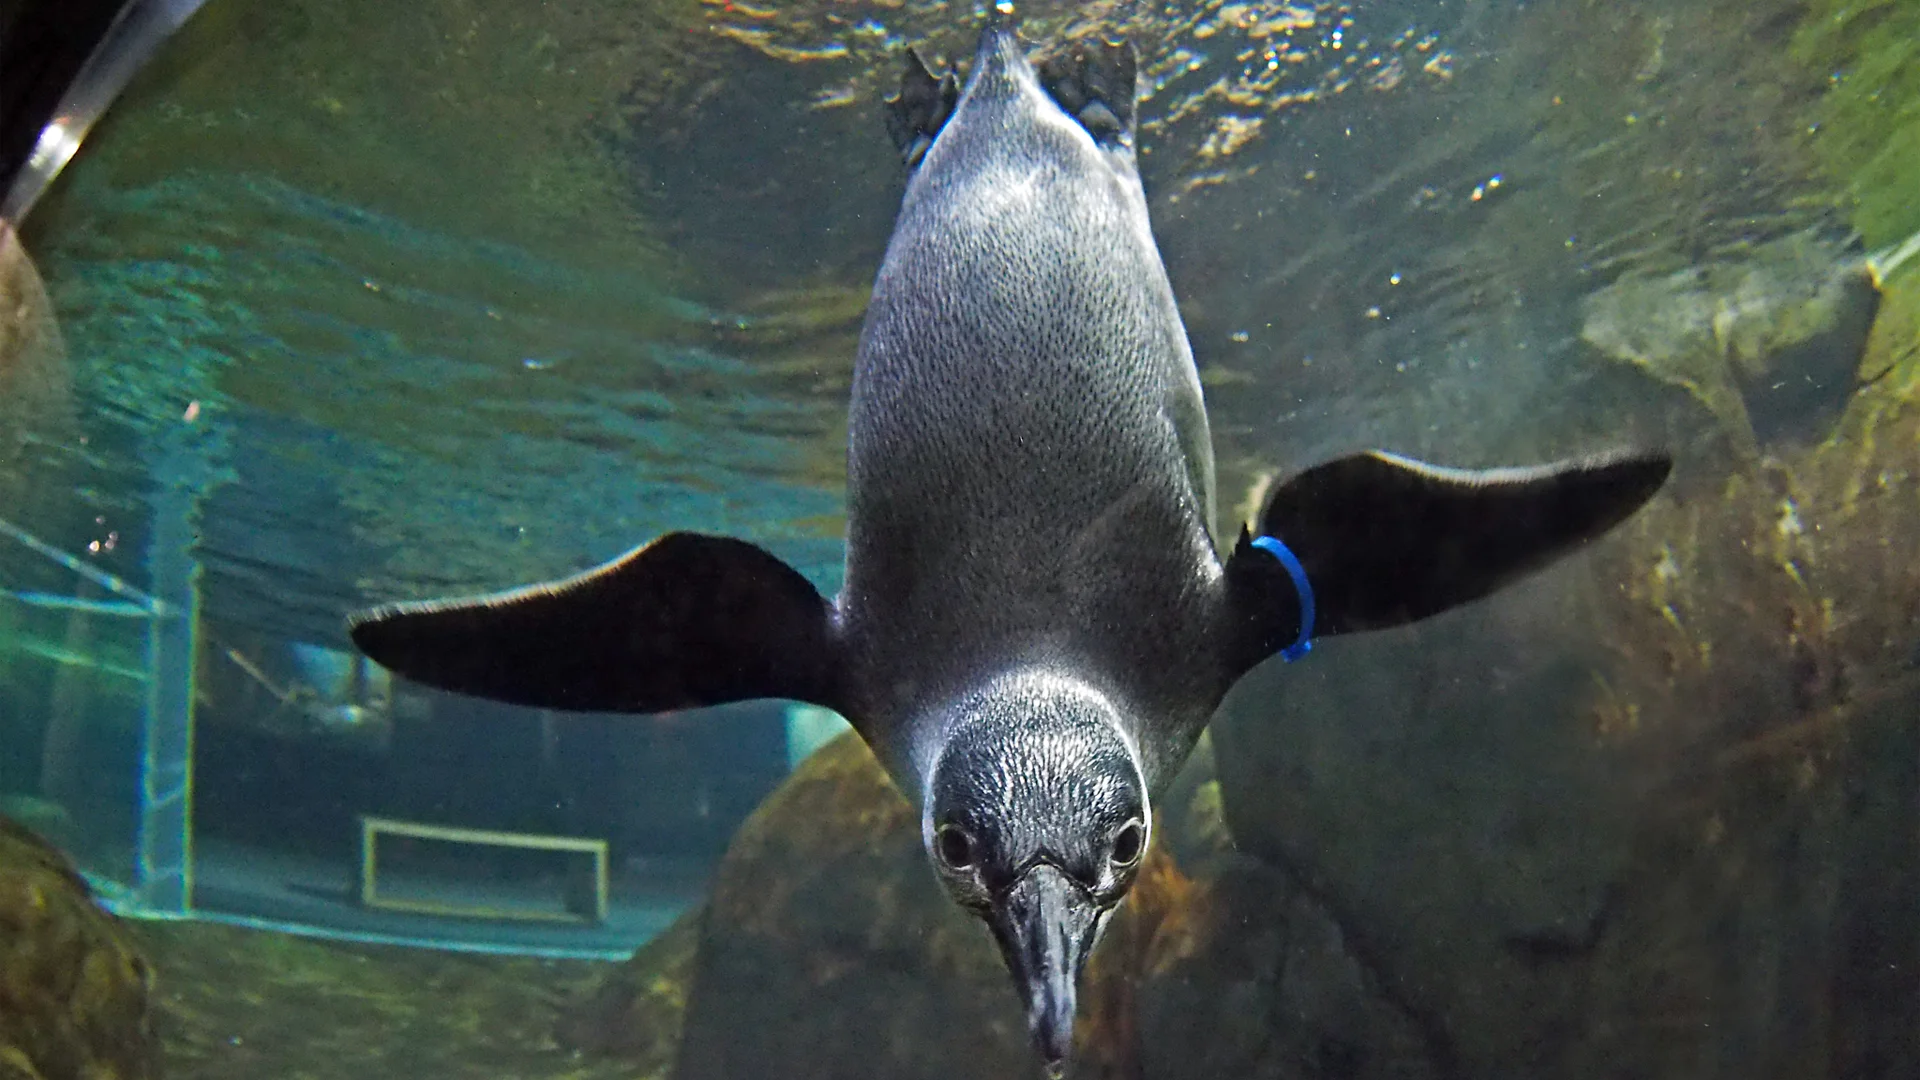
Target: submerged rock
(635,1014)
(828,948)
(1651,813)
(36,406)
(74,990)
(1437,788)
(1252,979)
(1109,1041)
(1769,343)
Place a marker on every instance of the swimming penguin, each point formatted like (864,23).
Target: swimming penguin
(1037,622)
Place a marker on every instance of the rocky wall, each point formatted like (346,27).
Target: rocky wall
(75,990)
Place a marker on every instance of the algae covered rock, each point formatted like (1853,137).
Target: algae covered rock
(828,948)
(1765,633)
(1251,978)
(1437,788)
(1650,813)
(74,990)
(635,1014)
(1768,341)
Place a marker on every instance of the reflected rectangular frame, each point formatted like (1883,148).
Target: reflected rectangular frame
(371,827)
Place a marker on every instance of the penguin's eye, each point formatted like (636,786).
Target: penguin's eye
(955,846)
(1127,844)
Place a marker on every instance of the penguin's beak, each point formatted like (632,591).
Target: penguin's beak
(1046,924)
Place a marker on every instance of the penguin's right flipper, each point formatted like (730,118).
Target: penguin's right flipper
(917,113)
(1382,540)
(687,620)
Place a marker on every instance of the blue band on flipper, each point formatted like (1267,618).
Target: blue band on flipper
(1287,559)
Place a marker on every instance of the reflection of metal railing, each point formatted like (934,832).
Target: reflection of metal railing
(1887,261)
(163,854)
(588,904)
(135,601)
(129,40)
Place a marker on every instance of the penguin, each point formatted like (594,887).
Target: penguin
(1037,619)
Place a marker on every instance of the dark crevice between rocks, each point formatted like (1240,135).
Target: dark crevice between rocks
(1876,980)
(1540,948)
(1434,1037)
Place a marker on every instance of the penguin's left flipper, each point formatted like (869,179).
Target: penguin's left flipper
(686,620)
(1383,540)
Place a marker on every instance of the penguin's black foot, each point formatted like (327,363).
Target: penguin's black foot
(917,113)
(1094,83)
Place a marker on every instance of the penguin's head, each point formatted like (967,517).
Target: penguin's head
(1036,820)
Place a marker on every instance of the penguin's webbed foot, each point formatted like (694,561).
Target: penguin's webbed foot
(1094,82)
(917,113)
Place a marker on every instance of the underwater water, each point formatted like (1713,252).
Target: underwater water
(343,304)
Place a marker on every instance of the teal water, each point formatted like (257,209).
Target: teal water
(437,406)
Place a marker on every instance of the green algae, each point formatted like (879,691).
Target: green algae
(1764,639)
(74,987)
(239,1004)
(635,1013)
(1866,126)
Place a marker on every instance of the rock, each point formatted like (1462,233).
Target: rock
(74,990)
(1191,821)
(1252,979)
(1436,786)
(828,948)
(636,1013)
(1109,1043)
(1650,813)
(36,393)
(1717,958)
(1768,923)
(1769,343)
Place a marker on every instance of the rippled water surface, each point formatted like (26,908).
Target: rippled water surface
(500,295)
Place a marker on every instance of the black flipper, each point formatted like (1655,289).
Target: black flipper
(686,620)
(917,113)
(1095,83)
(1386,540)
